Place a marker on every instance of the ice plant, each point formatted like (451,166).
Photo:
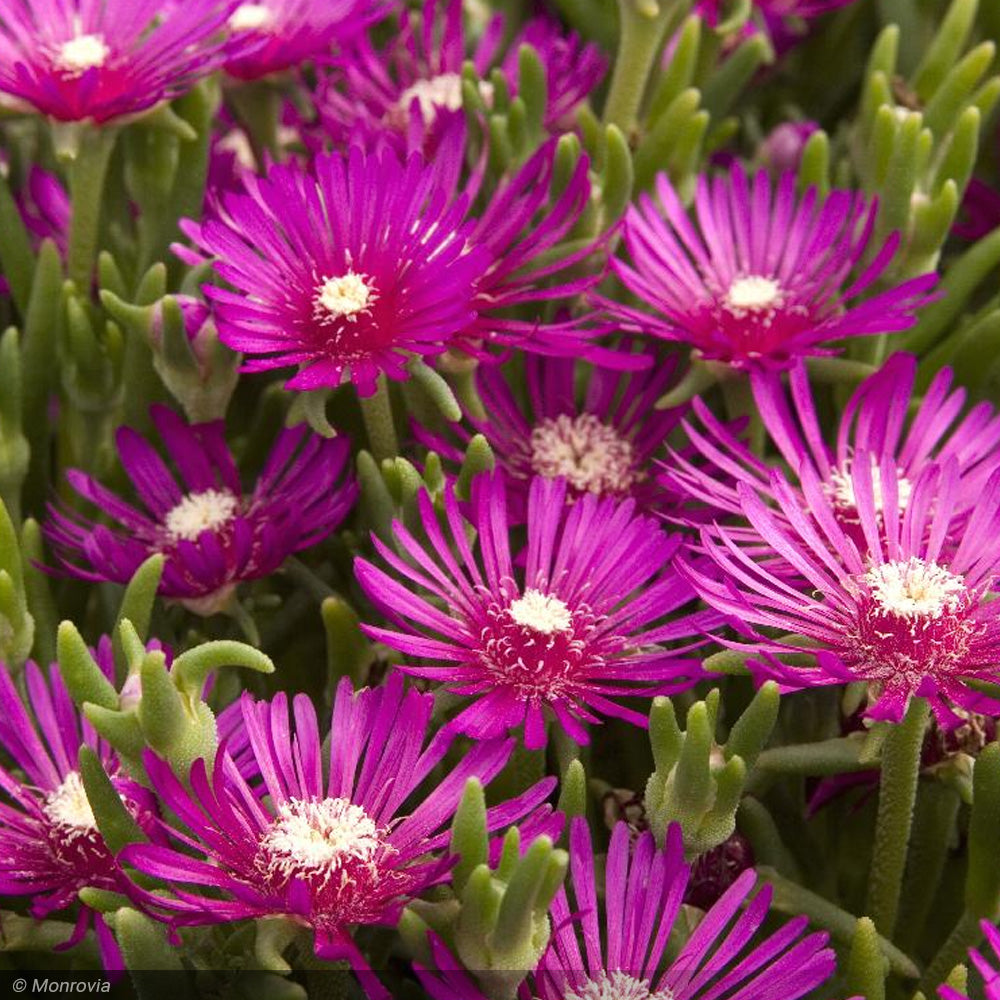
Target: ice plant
(901,603)
(601,440)
(624,947)
(759,276)
(100,60)
(354,268)
(283,34)
(415,80)
(876,420)
(50,847)
(558,633)
(323,280)
(991,976)
(212,534)
(329,853)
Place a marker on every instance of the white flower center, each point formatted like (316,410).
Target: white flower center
(68,806)
(542,612)
(915,588)
(82,53)
(344,297)
(439,93)
(321,836)
(589,454)
(753,293)
(617,986)
(841,488)
(199,512)
(251,17)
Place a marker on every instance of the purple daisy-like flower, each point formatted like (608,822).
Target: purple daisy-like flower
(876,420)
(350,270)
(623,952)
(212,534)
(764,277)
(285,33)
(354,270)
(416,79)
(901,602)
(600,438)
(331,853)
(104,59)
(990,974)
(50,847)
(567,634)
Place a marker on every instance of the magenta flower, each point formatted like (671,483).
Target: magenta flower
(330,853)
(765,277)
(980,211)
(212,534)
(991,976)
(601,439)
(348,272)
(45,208)
(50,847)
(103,59)
(562,631)
(624,950)
(269,36)
(782,148)
(354,270)
(43,204)
(901,603)
(415,81)
(875,421)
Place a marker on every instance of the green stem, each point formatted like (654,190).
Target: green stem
(933,828)
(897,794)
(86,187)
(377,413)
(965,935)
(644,26)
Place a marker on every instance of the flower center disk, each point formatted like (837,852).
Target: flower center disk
(68,807)
(590,455)
(617,986)
(251,17)
(320,838)
(753,294)
(915,618)
(439,93)
(81,53)
(207,510)
(537,645)
(840,489)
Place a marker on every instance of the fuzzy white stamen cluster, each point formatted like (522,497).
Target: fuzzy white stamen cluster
(251,17)
(81,53)
(343,297)
(198,512)
(320,836)
(841,488)
(68,807)
(914,588)
(617,986)
(439,93)
(590,455)
(541,612)
(752,294)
